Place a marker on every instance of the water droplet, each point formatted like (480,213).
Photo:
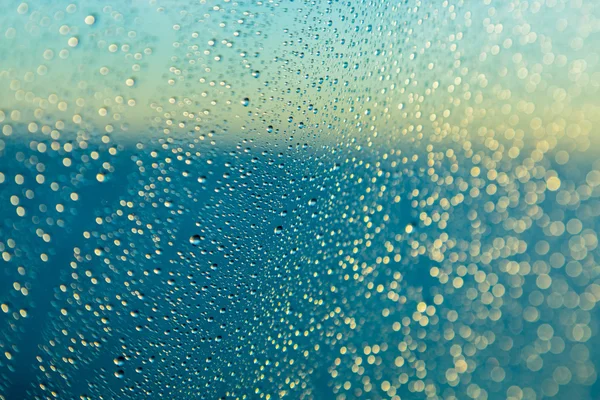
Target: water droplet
(195,240)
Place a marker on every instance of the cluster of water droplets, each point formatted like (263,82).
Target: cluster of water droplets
(300,199)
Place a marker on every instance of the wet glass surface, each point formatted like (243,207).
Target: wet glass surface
(220,199)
